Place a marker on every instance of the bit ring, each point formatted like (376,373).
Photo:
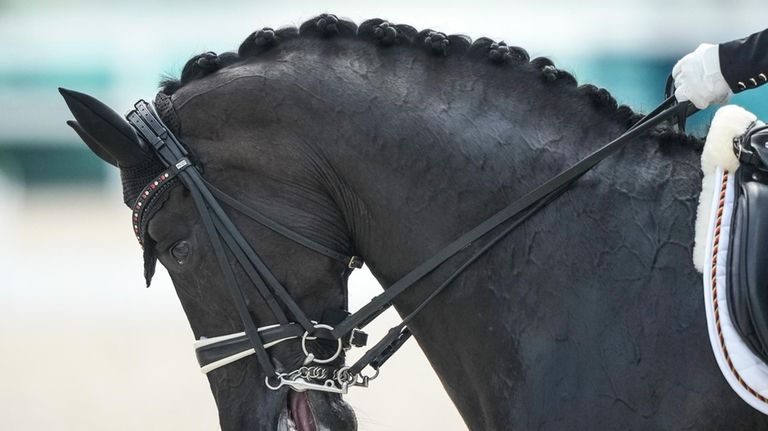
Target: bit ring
(304,349)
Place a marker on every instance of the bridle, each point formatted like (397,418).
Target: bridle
(341,330)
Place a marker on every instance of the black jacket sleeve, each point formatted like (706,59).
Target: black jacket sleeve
(744,62)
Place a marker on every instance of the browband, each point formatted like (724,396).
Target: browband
(147,197)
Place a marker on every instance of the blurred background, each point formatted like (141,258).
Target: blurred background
(83,346)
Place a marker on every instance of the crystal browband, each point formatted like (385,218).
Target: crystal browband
(147,197)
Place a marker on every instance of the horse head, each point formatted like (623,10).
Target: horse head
(174,233)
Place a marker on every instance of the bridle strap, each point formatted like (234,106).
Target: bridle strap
(350,261)
(252,274)
(216,352)
(253,260)
(234,287)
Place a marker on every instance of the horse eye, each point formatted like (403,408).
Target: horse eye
(180,251)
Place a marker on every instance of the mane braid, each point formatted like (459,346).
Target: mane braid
(385,34)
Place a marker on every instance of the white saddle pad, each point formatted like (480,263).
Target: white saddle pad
(743,370)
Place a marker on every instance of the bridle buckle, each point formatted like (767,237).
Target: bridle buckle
(355,262)
(357,338)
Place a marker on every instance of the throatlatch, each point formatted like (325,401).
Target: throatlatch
(345,331)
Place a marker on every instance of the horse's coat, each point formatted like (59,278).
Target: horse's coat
(587,317)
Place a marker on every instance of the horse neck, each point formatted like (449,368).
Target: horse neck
(416,152)
(422,175)
(422,189)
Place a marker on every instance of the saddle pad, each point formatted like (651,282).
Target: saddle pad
(743,370)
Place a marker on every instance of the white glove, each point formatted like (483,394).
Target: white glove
(698,78)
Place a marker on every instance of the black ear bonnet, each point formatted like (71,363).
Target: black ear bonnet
(136,178)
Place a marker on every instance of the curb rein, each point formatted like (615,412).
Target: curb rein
(346,332)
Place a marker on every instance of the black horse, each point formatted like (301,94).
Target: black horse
(388,143)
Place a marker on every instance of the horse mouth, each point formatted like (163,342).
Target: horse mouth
(298,415)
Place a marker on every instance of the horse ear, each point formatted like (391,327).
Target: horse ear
(101,127)
(92,143)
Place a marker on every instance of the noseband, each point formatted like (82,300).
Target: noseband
(341,331)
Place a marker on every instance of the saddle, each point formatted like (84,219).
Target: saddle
(747,263)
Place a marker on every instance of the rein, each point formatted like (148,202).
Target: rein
(340,331)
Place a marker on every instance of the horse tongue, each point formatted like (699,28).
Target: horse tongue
(301,413)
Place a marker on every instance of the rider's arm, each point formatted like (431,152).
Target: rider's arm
(744,62)
(712,73)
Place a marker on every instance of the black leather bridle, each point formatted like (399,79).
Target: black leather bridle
(346,330)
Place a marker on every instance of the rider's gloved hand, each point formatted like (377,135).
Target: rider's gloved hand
(698,78)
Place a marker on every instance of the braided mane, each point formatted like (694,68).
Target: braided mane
(386,34)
